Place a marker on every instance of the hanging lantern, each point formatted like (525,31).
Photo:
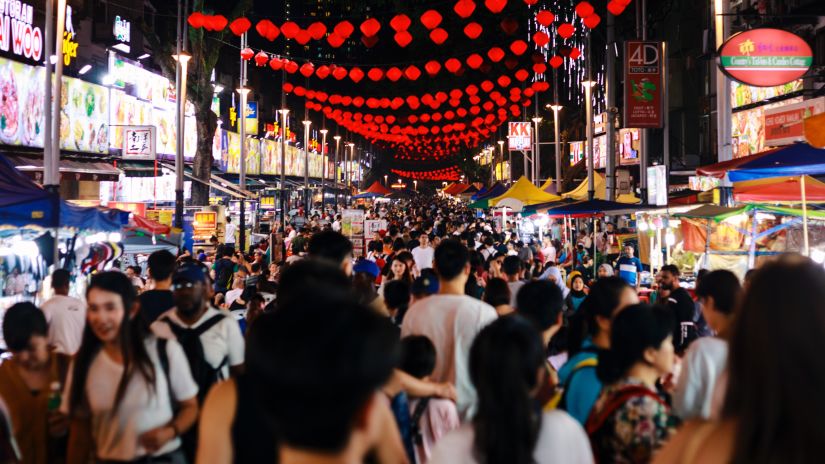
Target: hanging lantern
(307,69)
(495,6)
(495,54)
(412,73)
(344,29)
(474,61)
(291,67)
(509,26)
(317,30)
(412,102)
(545,18)
(522,75)
(432,67)
(556,61)
(218,23)
(575,53)
(240,26)
(339,73)
(531,2)
(464,8)
(375,74)
(356,74)
(473,30)
(541,38)
(400,23)
(518,47)
(370,27)
(539,68)
(267,29)
(503,81)
(402,38)
(566,30)
(335,40)
(431,19)
(438,36)
(303,37)
(196,19)
(394,74)
(452,65)
(592,21)
(247,54)
(487,86)
(276,64)
(288,87)
(584,9)
(369,42)
(322,72)
(289,29)
(615,8)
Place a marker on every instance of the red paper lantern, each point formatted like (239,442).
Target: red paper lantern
(218,23)
(288,87)
(412,102)
(267,29)
(291,67)
(495,6)
(438,36)
(584,9)
(545,18)
(518,47)
(495,54)
(432,67)
(400,23)
(566,30)
(464,8)
(356,74)
(276,64)
(394,74)
(592,21)
(503,81)
(247,54)
(344,29)
(289,29)
(303,37)
(522,75)
(307,69)
(196,19)
(452,65)
(402,38)
(339,73)
(473,30)
(375,74)
(575,53)
(240,26)
(412,73)
(615,8)
(540,38)
(335,40)
(531,2)
(474,61)
(509,26)
(539,68)
(556,61)
(431,19)
(369,42)
(317,30)
(370,27)
(322,72)
(471,89)
(487,86)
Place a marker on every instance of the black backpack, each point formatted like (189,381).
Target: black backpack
(190,339)
(224,280)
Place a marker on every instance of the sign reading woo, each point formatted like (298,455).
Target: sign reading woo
(520,136)
(765,57)
(644,105)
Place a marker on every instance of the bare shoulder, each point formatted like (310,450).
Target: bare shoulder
(698,441)
(221,400)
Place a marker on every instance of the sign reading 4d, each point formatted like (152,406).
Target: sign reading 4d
(17,34)
(644,104)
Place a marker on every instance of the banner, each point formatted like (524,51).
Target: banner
(657,185)
(251,118)
(644,104)
(786,124)
(520,136)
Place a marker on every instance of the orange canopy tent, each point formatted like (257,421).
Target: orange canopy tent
(456,188)
(779,190)
(377,189)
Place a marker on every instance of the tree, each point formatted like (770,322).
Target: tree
(205,48)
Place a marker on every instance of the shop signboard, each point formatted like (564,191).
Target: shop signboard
(600,151)
(139,143)
(352,227)
(503,170)
(765,57)
(21,108)
(785,124)
(267,202)
(748,128)
(251,118)
(743,95)
(163,216)
(577,150)
(657,185)
(644,105)
(19,35)
(520,136)
(84,122)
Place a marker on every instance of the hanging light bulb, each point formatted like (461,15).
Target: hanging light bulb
(642,225)
(670,239)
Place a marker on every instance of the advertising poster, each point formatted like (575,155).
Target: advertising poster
(270,157)
(352,226)
(644,104)
(577,150)
(84,124)
(748,128)
(127,111)
(21,108)
(657,185)
(165,123)
(253,156)
(520,136)
(251,118)
(629,146)
(785,125)
(600,152)
(742,95)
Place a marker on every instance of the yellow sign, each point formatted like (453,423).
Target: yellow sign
(206,219)
(69,43)
(233,116)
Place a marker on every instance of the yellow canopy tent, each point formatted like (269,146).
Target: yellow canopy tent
(525,193)
(548,186)
(600,191)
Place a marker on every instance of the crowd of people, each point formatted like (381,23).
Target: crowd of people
(449,339)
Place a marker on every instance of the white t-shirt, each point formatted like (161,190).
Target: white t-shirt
(514,288)
(561,440)
(702,367)
(451,322)
(423,257)
(67,318)
(232,295)
(230,233)
(222,340)
(141,409)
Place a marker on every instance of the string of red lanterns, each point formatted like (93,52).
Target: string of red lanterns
(443,174)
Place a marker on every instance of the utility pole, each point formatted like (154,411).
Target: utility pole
(307,194)
(610,97)
(284,114)
(588,92)
(641,26)
(244,92)
(324,168)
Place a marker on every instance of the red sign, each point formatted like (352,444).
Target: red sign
(644,105)
(765,57)
(520,136)
(785,125)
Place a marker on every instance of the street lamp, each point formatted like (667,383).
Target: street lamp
(307,197)
(536,156)
(335,168)
(385,181)
(350,171)
(556,108)
(324,169)
(415,185)
(284,113)
(501,156)
(588,94)
(182,59)
(243,92)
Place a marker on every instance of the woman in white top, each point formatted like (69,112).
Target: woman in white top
(119,394)
(506,366)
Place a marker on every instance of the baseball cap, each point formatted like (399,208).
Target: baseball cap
(365,265)
(190,273)
(426,284)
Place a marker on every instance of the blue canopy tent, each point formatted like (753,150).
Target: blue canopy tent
(22,202)
(589,208)
(91,218)
(366,195)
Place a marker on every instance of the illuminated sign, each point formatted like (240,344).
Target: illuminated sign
(69,42)
(123,30)
(17,34)
(520,136)
(765,57)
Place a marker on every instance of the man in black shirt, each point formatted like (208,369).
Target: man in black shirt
(157,301)
(679,300)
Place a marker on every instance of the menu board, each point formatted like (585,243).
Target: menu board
(741,94)
(270,157)
(21,105)
(84,124)
(127,111)
(748,128)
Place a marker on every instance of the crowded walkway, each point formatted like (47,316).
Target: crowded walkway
(448,339)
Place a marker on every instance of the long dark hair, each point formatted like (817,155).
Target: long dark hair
(133,332)
(603,299)
(776,367)
(504,361)
(407,258)
(635,329)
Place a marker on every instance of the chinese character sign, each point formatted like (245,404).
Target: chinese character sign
(520,136)
(644,104)
(139,143)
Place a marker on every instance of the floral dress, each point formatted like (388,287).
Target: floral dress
(629,423)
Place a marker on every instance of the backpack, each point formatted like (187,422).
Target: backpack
(596,420)
(560,401)
(224,279)
(190,339)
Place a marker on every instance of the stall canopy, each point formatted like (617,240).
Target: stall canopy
(714,212)
(524,192)
(377,188)
(600,191)
(719,170)
(798,159)
(456,189)
(90,218)
(490,192)
(779,190)
(589,208)
(549,186)
(22,202)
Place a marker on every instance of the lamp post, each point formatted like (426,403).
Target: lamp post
(415,185)
(243,92)
(324,168)
(284,113)
(349,167)
(385,181)
(335,167)
(182,60)
(536,155)
(556,108)
(307,197)
(588,92)
(501,156)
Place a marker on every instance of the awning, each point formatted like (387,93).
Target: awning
(779,190)
(139,168)
(591,208)
(216,182)
(715,212)
(798,159)
(79,169)
(719,170)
